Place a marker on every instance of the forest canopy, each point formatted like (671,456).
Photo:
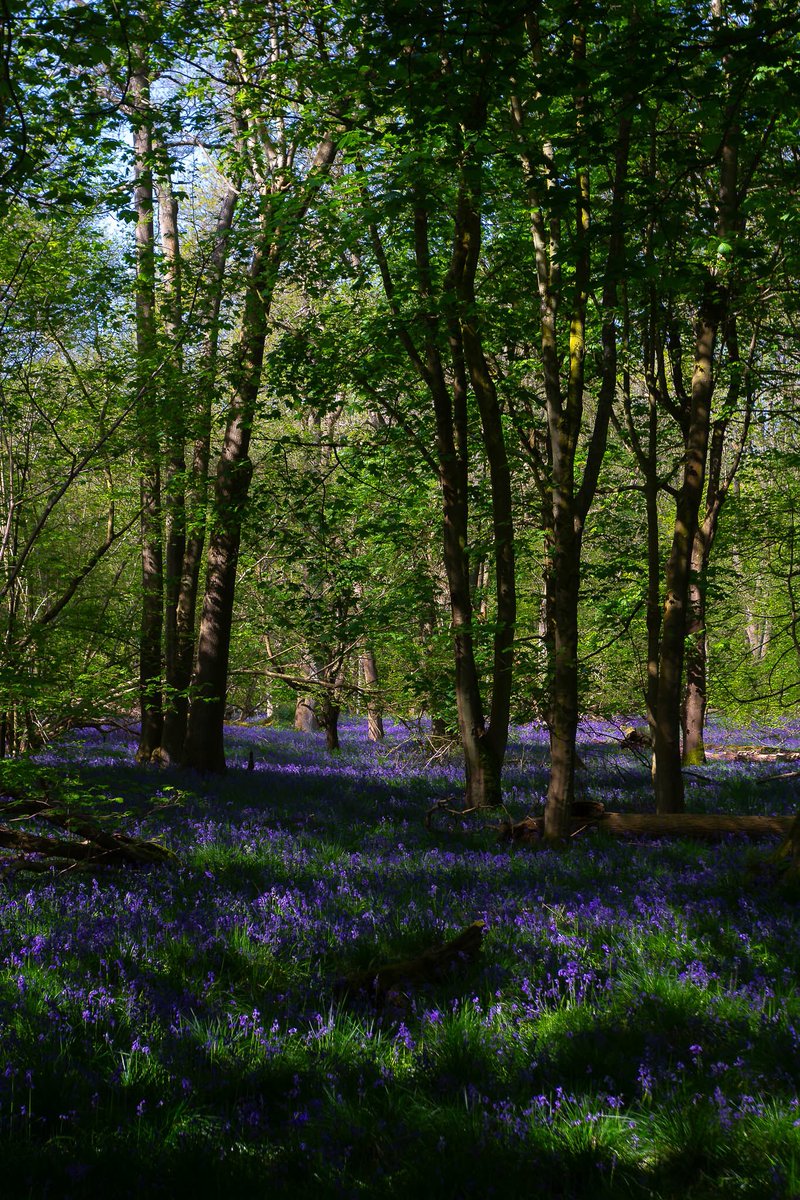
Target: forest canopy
(437,360)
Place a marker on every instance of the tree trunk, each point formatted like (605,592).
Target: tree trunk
(563,709)
(374,714)
(305,709)
(305,717)
(204,747)
(714,308)
(569,498)
(696,695)
(329,711)
(175,722)
(483,748)
(281,217)
(174,482)
(695,700)
(668,777)
(150,480)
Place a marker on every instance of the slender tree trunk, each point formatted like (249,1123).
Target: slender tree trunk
(695,700)
(199,427)
(483,747)
(481,765)
(281,218)
(653,613)
(374,714)
(466,262)
(564,709)
(150,487)
(668,777)
(175,481)
(204,748)
(714,309)
(570,498)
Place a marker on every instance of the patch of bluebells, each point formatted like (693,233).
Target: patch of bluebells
(616,981)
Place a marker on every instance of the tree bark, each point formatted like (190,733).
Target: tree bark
(696,695)
(468,240)
(483,746)
(713,309)
(281,217)
(305,717)
(329,710)
(199,427)
(174,481)
(369,670)
(150,700)
(568,497)
(305,709)
(695,700)
(668,777)
(204,746)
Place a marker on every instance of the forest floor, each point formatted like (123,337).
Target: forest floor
(629,1027)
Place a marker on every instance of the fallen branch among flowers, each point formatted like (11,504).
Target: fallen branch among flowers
(708,826)
(86,843)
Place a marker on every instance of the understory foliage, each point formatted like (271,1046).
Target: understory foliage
(630,1027)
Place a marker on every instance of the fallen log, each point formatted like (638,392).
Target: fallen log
(105,848)
(706,826)
(378,982)
(86,842)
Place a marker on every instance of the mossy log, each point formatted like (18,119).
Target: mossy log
(377,982)
(705,826)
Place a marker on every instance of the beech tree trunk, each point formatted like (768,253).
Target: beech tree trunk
(329,710)
(695,700)
(305,709)
(150,701)
(204,747)
(567,496)
(483,743)
(280,219)
(713,309)
(668,776)
(305,717)
(369,670)
(174,482)
(199,427)
(489,407)
(696,696)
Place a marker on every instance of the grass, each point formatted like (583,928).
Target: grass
(631,1028)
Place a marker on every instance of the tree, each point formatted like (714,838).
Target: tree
(443,76)
(562,141)
(272,148)
(739,146)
